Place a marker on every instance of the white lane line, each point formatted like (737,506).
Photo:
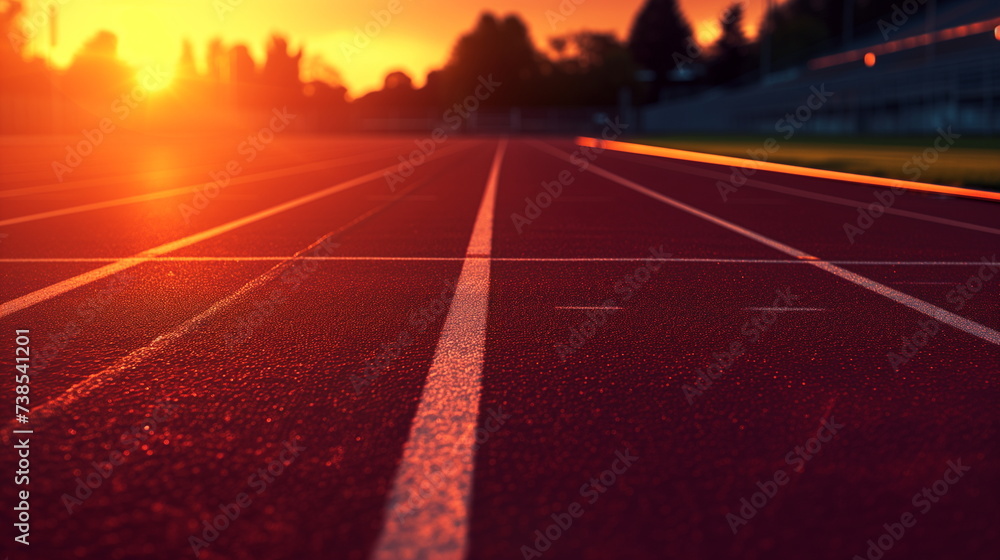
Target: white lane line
(587,307)
(100,205)
(574,198)
(414,198)
(256,177)
(223,259)
(734,261)
(64,286)
(768,186)
(44,260)
(151,175)
(683,155)
(758,201)
(781,309)
(919,305)
(443,431)
(160,173)
(88,385)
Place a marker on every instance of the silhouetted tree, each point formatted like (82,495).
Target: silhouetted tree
(325,107)
(14,37)
(242,68)
(280,74)
(559,44)
(96,76)
(501,49)
(280,67)
(186,69)
(397,98)
(242,77)
(25,84)
(591,69)
(217,61)
(316,68)
(729,53)
(397,81)
(800,30)
(660,32)
(13,67)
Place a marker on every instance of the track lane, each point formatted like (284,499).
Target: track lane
(622,389)
(310,366)
(934,312)
(799,204)
(33,298)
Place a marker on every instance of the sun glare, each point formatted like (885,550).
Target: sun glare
(706,31)
(151,32)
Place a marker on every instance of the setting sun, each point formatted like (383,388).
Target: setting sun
(412,40)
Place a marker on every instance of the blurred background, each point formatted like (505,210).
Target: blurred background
(708,75)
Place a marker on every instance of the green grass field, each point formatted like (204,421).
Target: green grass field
(969,162)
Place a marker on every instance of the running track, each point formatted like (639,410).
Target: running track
(442,385)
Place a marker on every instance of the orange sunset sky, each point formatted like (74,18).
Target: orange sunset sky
(417,39)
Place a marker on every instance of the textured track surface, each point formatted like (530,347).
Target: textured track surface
(650,358)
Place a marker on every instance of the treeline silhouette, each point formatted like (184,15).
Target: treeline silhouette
(658,60)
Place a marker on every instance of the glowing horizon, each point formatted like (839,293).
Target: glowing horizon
(412,40)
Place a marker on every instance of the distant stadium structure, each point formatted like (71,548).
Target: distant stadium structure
(941,69)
